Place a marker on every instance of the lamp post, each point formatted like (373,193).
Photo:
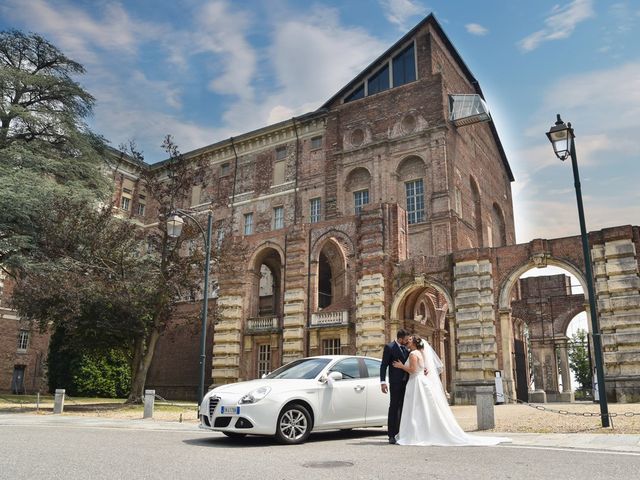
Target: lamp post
(174,229)
(562,137)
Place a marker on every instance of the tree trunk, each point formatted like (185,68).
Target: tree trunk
(142,358)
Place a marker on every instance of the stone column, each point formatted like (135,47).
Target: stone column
(293,325)
(508,368)
(477,354)
(563,356)
(227,338)
(370,313)
(618,302)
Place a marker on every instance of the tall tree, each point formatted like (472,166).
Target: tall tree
(107,282)
(46,150)
(579,359)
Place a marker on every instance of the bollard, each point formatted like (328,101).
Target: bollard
(38,402)
(484,406)
(58,402)
(149,400)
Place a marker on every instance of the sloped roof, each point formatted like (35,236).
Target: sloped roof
(428,20)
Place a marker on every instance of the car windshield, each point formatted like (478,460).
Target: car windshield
(306,368)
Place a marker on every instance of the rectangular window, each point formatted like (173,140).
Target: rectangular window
(331,346)
(360,198)
(281,153)
(224,169)
(141,209)
(264,359)
(278,218)
(316,143)
(248,223)
(315,210)
(379,81)
(23,339)
(458,201)
(415,201)
(404,67)
(356,94)
(279,172)
(125,203)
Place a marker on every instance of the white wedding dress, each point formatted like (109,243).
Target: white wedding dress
(427,418)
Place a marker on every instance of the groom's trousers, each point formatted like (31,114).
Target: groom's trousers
(396,394)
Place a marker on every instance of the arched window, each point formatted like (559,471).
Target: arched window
(331,275)
(476,211)
(358,190)
(499,229)
(411,172)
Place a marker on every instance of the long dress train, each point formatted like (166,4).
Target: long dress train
(427,418)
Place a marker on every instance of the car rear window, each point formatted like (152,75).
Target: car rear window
(373,367)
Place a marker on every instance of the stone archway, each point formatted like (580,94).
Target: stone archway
(425,307)
(546,340)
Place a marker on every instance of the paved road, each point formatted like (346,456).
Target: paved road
(77,451)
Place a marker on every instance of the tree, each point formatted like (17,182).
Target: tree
(579,359)
(46,150)
(108,283)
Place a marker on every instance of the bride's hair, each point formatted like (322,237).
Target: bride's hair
(419,343)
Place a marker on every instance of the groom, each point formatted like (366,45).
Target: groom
(393,351)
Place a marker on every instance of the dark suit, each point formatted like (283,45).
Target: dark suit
(397,383)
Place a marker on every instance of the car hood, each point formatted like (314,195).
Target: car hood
(275,383)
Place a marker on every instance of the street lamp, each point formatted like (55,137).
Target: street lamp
(562,137)
(174,229)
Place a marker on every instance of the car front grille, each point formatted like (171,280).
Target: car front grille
(213,403)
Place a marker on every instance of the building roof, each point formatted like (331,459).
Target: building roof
(428,20)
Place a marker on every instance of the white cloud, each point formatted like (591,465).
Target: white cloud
(78,34)
(476,29)
(222,31)
(399,12)
(604,109)
(559,24)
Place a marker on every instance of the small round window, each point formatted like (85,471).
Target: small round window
(357,137)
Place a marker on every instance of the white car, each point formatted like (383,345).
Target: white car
(310,394)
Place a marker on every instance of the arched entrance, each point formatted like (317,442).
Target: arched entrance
(263,326)
(424,307)
(536,307)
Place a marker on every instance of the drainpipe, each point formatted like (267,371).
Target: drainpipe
(308,319)
(235,176)
(296,202)
(283,289)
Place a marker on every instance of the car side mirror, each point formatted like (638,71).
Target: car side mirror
(335,376)
(264,375)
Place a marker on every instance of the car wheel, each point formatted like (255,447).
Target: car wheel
(235,434)
(294,424)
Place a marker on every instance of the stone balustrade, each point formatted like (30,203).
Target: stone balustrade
(320,319)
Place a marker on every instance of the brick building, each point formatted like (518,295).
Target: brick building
(390,206)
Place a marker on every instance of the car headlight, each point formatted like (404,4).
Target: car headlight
(255,395)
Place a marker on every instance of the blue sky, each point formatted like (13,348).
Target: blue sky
(205,70)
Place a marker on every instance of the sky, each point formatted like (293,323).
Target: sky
(205,70)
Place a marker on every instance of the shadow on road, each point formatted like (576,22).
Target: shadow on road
(222,441)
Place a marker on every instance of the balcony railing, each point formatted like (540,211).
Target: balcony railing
(262,324)
(321,319)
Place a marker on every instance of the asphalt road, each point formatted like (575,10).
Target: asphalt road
(87,452)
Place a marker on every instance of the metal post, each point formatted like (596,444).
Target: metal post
(205,306)
(597,341)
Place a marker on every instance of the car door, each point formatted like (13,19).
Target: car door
(377,402)
(343,402)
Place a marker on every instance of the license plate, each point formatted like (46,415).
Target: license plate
(229,410)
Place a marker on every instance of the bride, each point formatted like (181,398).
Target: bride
(427,418)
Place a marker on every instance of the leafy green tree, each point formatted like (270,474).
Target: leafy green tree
(47,152)
(87,372)
(579,359)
